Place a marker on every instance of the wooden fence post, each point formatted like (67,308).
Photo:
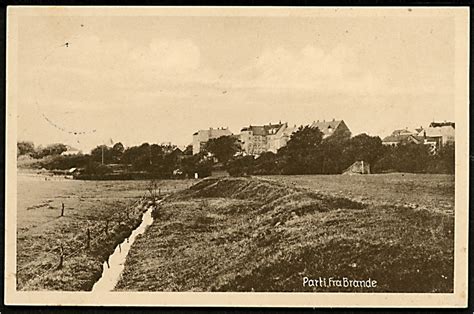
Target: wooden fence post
(88,243)
(62,209)
(61,257)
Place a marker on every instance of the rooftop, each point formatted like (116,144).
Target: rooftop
(263,130)
(441,124)
(326,126)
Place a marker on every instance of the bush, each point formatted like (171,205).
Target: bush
(65,162)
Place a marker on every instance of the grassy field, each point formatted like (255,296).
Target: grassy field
(433,191)
(95,205)
(267,234)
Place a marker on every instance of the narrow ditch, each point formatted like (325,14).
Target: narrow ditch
(112,271)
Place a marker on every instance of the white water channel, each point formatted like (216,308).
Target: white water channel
(111,275)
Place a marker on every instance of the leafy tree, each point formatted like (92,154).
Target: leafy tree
(196,164)
(302,154)
(223,148)
(362,147)
(105,151)
(156,155)
(50,150)
(305,139)
(117,152)
(444,160)
(331,157)
(410,157)
(244,165)
(447,157)
(96,169)
(25,148)
(66,162)
(267,163)
(143,157)
(119,148)
(188,151)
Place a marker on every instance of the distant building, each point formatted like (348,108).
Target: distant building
(403,136)
(257,139)
(441,132)
(436,135)
(280,138)
(334,127)
(201,137)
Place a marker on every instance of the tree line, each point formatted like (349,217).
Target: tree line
(307,152)
(119,162)
(29,148)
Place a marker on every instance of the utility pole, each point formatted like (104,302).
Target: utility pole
(102,154)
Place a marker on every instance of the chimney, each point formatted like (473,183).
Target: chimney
(333,119)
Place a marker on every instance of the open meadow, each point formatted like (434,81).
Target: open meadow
(97,216)
(269,233)
(434,191)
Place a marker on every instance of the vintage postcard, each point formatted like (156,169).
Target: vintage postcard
(237,156)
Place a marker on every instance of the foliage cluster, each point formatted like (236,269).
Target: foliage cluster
(307,152)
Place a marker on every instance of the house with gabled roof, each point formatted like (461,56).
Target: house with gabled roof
(330,128)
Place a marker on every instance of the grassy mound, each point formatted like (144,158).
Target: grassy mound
(250,234)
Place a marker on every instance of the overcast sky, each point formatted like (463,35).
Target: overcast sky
(140,79)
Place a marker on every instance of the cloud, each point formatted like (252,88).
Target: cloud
(172,56)
(309,68)
(94,70)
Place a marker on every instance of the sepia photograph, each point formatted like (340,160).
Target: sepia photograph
(237,156)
